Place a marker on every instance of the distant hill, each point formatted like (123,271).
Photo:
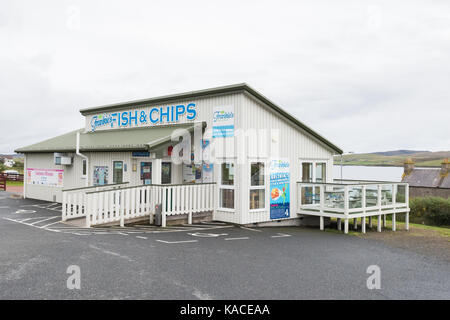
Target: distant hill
(398,152)
(394,158)
(11,155)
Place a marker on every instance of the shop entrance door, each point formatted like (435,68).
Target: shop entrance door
(166,172)
(117,171)
(146,172)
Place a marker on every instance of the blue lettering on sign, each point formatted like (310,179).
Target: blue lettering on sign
(192,113)
(156,115)
(222,115)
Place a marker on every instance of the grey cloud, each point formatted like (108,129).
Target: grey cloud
(368,75)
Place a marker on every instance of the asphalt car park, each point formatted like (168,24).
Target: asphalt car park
(211,260)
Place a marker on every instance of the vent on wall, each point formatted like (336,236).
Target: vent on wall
(63,159)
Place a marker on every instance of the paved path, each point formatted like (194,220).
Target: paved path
(203,261)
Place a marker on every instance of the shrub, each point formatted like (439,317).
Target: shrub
(430,210)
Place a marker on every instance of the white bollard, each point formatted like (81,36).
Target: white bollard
(339,224)
(355,223)
(345,226)
(394,226)
(379,223)
(370,222)
(321,222)
(190,217)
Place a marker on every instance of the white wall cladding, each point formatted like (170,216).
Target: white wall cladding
(294,144)
(250,114)
(72,176)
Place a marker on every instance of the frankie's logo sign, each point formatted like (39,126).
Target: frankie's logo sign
(222,116)
(136,118)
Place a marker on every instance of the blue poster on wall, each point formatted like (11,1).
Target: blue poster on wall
(279,189)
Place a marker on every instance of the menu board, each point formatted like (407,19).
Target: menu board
(45,177)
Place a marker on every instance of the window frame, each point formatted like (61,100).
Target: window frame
(171,172)
(226,186)
(313,162)
(263,187)
(123,170)
(83,167)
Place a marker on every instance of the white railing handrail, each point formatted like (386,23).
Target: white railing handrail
(343,206)
(122,203)
(92,187)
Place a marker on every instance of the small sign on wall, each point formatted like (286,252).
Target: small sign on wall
(45,177)
(100,175)
(223,121)
(279,189)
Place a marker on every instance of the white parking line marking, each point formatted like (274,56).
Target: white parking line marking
(250,229)
(44,220)
(241,238)
(281,235)
(50,224)
(207,235)
(20,211)
(170,242)
(27,219)
(145,238)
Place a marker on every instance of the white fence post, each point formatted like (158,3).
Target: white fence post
(121,207)
(88,210)
(64,207)
(164,206)
(407,206)
(346,199)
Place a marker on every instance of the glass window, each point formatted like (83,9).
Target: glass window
(307,172)
(166,172)
(117,171)
(226,189)
(257,174)
(146,172)
(321,172)
(227,198)
(257,199)
(257,186)
(84,167)
(227,174)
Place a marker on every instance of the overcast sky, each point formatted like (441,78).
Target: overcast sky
(367,75)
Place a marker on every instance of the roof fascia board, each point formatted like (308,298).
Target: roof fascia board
(167,99)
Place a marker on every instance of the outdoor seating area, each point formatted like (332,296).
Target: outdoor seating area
(347,199)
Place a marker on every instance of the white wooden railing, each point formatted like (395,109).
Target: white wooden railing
(120,205)
(74,200)
(353,199)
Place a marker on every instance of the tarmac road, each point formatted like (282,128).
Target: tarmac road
(205,261)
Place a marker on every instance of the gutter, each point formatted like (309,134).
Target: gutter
(77,151)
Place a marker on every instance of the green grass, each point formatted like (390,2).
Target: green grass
(14,183)
(443,231)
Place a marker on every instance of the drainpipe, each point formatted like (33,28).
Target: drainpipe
(84,157)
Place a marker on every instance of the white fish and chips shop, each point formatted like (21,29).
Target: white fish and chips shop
(227,154)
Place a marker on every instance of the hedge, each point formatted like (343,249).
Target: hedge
(430,210)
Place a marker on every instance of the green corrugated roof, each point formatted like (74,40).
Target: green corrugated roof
(108,140)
